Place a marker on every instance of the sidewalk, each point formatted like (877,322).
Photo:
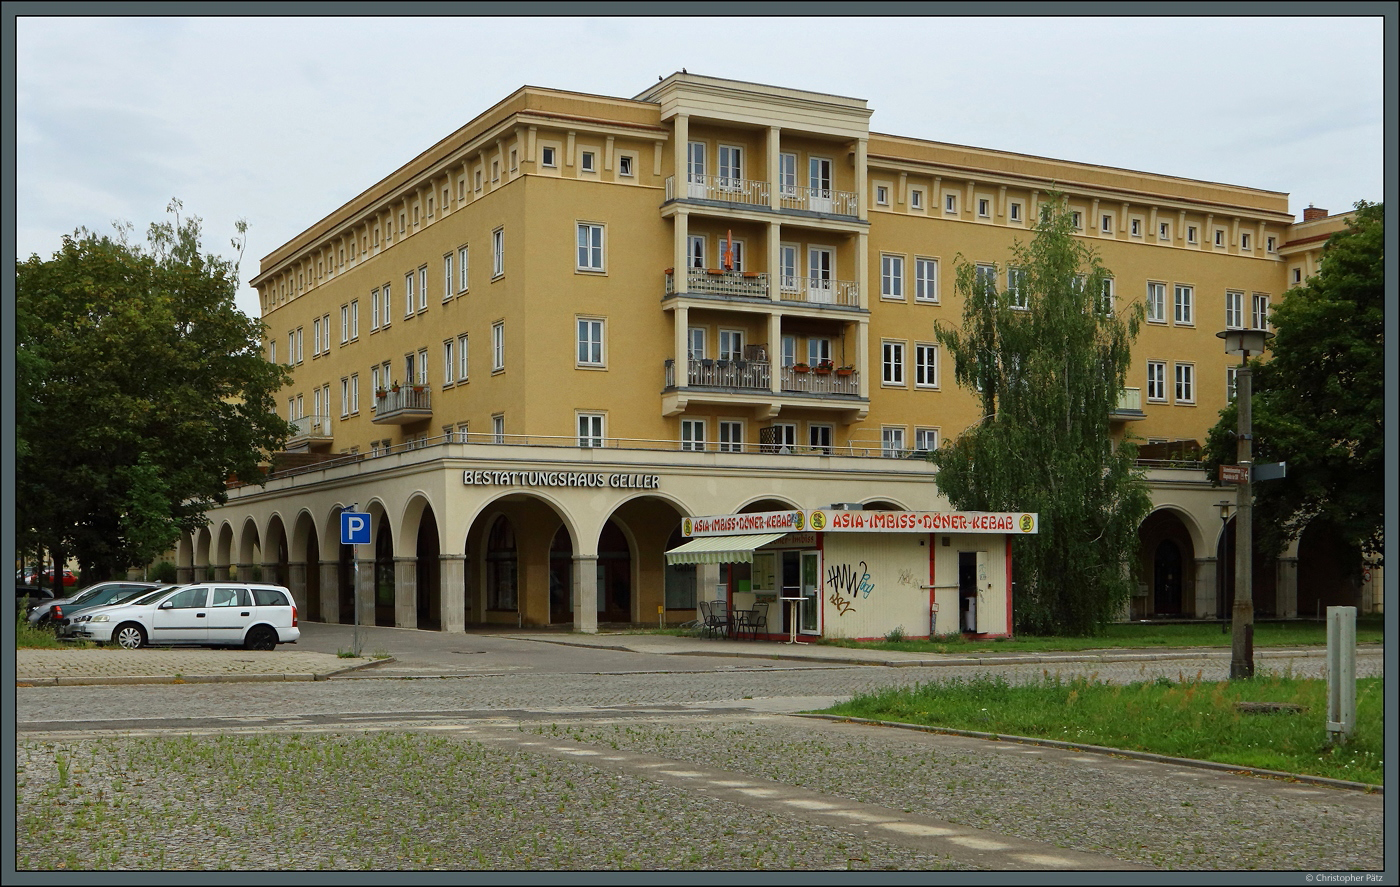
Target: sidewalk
(204,665)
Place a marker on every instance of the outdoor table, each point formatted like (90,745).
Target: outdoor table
(792,620)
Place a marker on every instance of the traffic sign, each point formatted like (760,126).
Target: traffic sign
(354,528)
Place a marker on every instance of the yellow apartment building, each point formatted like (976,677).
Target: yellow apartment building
(535,347)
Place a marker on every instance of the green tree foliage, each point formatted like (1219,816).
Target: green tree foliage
(1318,397)
(1048,358)
(141,388)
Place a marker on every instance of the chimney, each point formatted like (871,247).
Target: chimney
(1313,212)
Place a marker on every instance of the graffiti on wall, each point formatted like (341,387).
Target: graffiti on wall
(847,581)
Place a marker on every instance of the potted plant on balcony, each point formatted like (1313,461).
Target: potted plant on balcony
(846,370)
(715,271)
(394,387)
(382,392)
(417,389)
(800,368)
(824,368)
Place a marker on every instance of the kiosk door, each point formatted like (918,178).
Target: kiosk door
(811,590)
(967,590)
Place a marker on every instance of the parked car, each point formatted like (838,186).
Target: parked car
(32,576)
(55,610)
(255,617)
(118,593)
(27,597)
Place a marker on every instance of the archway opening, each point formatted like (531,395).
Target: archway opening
(384,576)
(502,569)
(614,575)
(429,600)
(561,577)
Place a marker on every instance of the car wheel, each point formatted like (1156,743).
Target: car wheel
(261,637)
(130,636)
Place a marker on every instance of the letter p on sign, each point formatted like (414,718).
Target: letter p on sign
(354,528)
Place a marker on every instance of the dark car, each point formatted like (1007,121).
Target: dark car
(51,612)
(27,596)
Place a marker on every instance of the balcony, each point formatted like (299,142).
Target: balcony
(309,431)
(740,375)
(820,382)
(819,291)
(403,407)
(1129,407)
(715,282)
(823,201)
(722,189)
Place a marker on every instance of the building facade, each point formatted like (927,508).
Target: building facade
(536,347)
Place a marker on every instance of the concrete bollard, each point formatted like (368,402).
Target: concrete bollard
(1341,673)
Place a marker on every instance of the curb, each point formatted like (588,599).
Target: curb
(1235,769)
(122,680)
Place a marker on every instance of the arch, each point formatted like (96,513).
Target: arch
(647,524)
(1329,570)
(409,518)
(426,573)
(184,552)
(486,507)
(276,552)
(535,521)
(766,503)
(223,551)
(384,572)
(1167,567)
(249,546)
(884,504)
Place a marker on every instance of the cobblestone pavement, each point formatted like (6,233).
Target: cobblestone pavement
(711,751)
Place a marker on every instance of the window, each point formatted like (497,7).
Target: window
(731,437)
(818,350)
(1297,276)
(447,277)
(891,277)
(1231,383)
(590,342)
(781,438)
(449,362)
(926,280)
(695,343)
(986,279)
(514,165)
(692,434)
(1271,244)
(819,438)
(1106,296)
(984,208)
(354,319)
(587,163)
(478,180)
(462,358)
(1191,236)
(408,294)
(590,247)
(1185,383)
(624,165)
(498,252)
(731,345)
(547,156)
(1157,302)
(1156,380)
(408,367)
(916,199)
(1219,238)
(316,337)
(272,351)
(1164,231)
(354,392)
(882,195)
(1016,288)
(1234,310)
(1077,218)
(422,287)
(299,341)
(789,355)
(344,398)
(1244,242)
(892,442)
(925,366)
(590,429)
(461,269)
(498,428)
(1259,317)
(1134,227)
(787,175)
(344,324)
(498,346)
(1015,210)
(495,171)
(731,167)
(1106,224)
(892,363)
(925,439)
(388,300)
(1182,305)
(950,203)
(374,310)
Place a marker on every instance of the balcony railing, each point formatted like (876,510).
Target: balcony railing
(722,188)
(819,200)
(402,407)
(715,282)
(1129,404)
(813,382)
(745,375)
(310,429)
(819,291)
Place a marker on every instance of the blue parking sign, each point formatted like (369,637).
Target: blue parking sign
(354,528)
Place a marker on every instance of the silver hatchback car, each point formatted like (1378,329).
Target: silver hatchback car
(255,617)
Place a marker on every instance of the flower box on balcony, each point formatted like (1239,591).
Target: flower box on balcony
(752,275)
(715,271)
(822,370)
(417,389)
(845,371)
(382,392)
(800,368)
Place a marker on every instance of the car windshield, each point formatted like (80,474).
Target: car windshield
(150,598)
(85,594)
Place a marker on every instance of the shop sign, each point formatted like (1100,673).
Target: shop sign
(561,479)
(924,521)
(735,524)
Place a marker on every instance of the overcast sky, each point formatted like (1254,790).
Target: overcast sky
(281,121)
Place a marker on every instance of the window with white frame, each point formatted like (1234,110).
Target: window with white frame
(547,156)
(1181,305)
(1135,227)
(299,343)
(408,369)
(1106,296)
(1231,383)
(354,319)
(1191,235)
(1156,380)
(495,171)
(624,165)
(892,441)
(374,310)
(789,349)
(316,338)
(326,334)
(950,203)
(891,277)
(449,361)
(498,428)
(1234,309)
(354,393)
(588,162)
(731,345)
(925,366)
(271,350)
(986,279)
(478,179)
(590,429)
(1077,219)
(1185,382)
(1157,302)
(882,195)
(1016,288)
(1106,223)
(916,198)
(590,247)
(892,363)
(1259,316)
(1164,231)
(731,436)
(344,397)
(344,324)
(819,438)
(1297,276)
(447,279)
(925,280)
(1271,244)
(386,315)
(787,175)
(784,437)
(498,346)
(514,165)
(818,350)
(498,252)
(590,342)
(925,439)
(984,208)
(1219,238)
(408,294)
(422,287)
(462,358)
(695,343)
(692,434)
(1244,242)
(731,167)
(462,269)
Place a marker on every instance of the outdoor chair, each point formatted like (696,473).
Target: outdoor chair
(755,619)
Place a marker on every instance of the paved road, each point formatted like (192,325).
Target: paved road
(672,720)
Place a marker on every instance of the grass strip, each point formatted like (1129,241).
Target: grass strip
(1187,718)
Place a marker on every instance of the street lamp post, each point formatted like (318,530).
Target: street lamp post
(1221,586)
(1243,343)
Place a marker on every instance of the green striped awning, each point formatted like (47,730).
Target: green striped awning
(720,549)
